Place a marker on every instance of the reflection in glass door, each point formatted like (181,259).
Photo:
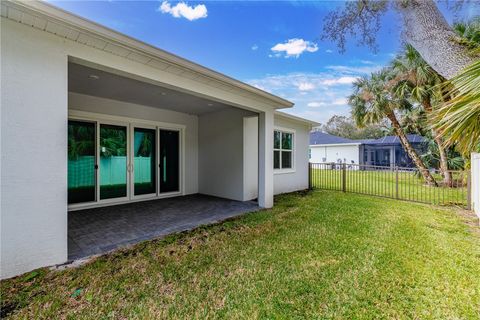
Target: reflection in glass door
(118,161)
(169,161)
(113,161)
(144,161)
(81,162)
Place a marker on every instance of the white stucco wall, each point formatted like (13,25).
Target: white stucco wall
(220,159)
(332,153)
(34,149)
(298,179)
(87,103)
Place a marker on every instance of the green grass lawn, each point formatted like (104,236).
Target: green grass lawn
(323,254)
(383,183)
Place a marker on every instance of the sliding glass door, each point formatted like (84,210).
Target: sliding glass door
(117,161)
(169,161)
(144,161)
(81,162)
(113,161)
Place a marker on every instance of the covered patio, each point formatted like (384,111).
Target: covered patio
(111,120)
(99,230)
(124,188)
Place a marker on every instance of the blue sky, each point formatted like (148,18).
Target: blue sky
(274,45)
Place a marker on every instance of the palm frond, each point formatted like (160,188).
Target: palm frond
(458,120)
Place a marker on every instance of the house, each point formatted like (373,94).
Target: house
(91,117)
(385,152)
(325,147)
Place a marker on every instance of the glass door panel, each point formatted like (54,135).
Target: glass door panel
(169,161)
(113,161)
(81,162)
(144,161)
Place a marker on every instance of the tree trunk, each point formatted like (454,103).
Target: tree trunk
(411,151)
(447,176)
(426,30)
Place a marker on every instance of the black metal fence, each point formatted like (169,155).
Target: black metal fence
(391,182)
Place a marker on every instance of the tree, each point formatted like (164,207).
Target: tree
(458,120)
(371,102)
(80,141)
(469,32)
(424,27)
(414,121)
(113,142)
(345,127)
(414,79)
(431,157)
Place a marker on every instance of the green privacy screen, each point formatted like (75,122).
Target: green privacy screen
(81,174)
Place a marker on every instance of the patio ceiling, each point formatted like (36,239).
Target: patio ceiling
(100,83)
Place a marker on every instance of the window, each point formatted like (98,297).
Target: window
(282,150)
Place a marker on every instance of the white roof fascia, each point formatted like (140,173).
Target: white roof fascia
(296,118)
(336,144)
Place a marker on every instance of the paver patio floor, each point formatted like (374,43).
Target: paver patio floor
(99,230)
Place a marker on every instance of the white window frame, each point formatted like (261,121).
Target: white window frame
(294,144)
(99,118)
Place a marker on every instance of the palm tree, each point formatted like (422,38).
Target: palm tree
(81,141)
(414,79)
(458,120)
(371,102)
(431,157)
(469,32)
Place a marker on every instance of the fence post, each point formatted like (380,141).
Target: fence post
(469,191)
(396,182)
(344,177)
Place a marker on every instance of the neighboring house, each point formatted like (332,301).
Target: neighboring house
(386,151)
(325,147)
(91,117)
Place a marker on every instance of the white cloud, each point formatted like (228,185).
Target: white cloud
(334,102)
(305,86)
(254,47)
(275,55)
(329,51)
(326,96)
(181,9)
(294,47)
(354,69)
(327,93)
(299,83)
(340,102)
(340,80)
(316,104)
